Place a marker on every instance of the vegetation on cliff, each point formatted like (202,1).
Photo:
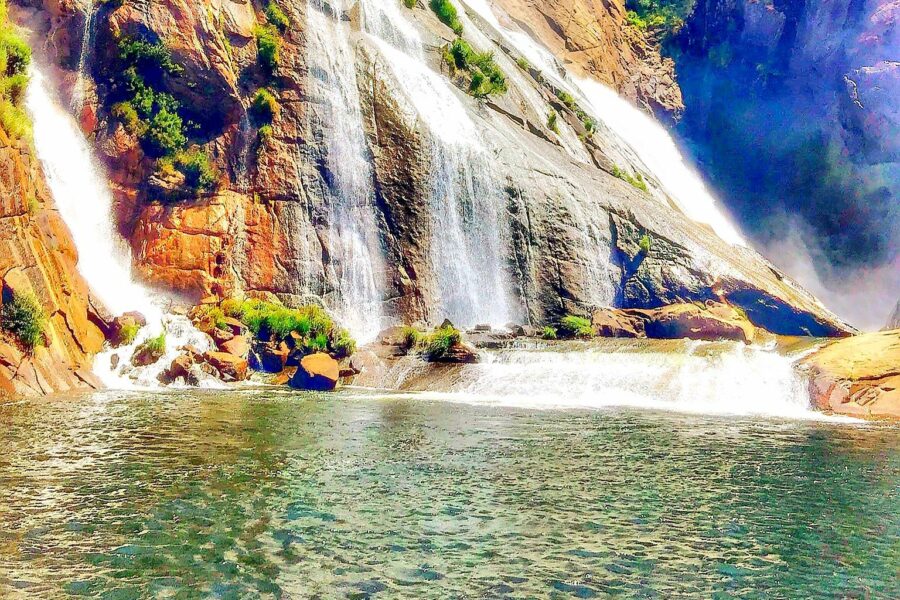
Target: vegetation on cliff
(661,18)
(15,56)
(485,77)
(22,316)
(447,14)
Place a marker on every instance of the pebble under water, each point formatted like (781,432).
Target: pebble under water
(265,493)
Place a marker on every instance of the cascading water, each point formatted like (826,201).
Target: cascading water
(85,204)
(87,35)
(466,249)
(646,140)
(680,375)
(355,247)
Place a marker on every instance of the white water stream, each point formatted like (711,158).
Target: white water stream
(84,202)
(466,249)
(697,377)
(642,135)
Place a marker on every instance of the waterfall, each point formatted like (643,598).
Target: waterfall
(686,376)
(466,250)
(87,36)
(85,204)
(355,247)
(638,138)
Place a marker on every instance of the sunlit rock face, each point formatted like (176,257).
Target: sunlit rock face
(381,178)
(792,111)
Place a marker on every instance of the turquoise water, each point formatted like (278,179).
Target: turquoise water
(269,494)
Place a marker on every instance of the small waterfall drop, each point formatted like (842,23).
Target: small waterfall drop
(355,247)
(104,260)
(467,246)
(639,137)
(680,375)
(87,37)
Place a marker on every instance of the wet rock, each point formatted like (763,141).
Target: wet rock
(229,367)
(145,355)
(220,336)
(611,322)
(181,368)
(857,376)
(458,353)
(235,326)
(713,322)
(317,372)
(269,357)
(123,327)
(238,345)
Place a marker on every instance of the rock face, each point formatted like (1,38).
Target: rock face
(37,257)
(317,373)
(569,235)
(812,87)
(591,37)
(894,321)
(712,321)
(858,376)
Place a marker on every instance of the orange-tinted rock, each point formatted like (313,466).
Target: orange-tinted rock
(857,376)
(317,372)
(238,345)
(610,322)
(270,357)
(712,322)
(229,366)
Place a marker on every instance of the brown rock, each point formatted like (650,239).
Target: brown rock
(611,322)
(235,326)
(459,353)
(238,345)
(121,324)
(144,355)
(269,357)
(220,336)
(229,366)
(713,322)
(317,372)
(180,369)
(857,376)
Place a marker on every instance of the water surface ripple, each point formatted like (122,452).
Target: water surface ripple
(247,494)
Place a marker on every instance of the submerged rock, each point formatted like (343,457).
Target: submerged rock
(317,372)
(857,376)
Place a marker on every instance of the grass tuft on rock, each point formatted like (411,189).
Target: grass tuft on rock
(23,317)
(572,326)
(438,343)
(276,17)
(485,77)
(447,15)
(15,57)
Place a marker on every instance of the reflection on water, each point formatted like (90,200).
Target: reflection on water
(272,494)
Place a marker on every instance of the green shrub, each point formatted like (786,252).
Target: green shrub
(265,133)
(661,18)
(13,87)
(14,120)
(523,64)
(549,333)
(127,334)
(165,133)
(264,106)
(574,326)
(127,115)
(150,58)
(486,77)
(23,317)
(645,244)
(410,338)
(438,343)
(208,317)
(268,47)
(276,17)
(552,123)
(15,50)
(636,180)
(314,327)
(567,99)
(198,173)
(153,346)
(447,14)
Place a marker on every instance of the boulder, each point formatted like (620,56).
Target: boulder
(317,372)
(180,369)
(238,345)
(220,336)
(235,326)
(713,322)
(857,376)
(229,366)
(458,353)
(144,355)
(612,322)
(121,324)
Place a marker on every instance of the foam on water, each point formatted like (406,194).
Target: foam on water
(725,378)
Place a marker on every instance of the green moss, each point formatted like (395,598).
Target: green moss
(268,47)
(264,106)
(575,326)
(447,14)
(438,343)
(645,244)
(549,333)
(265,133)
(636,180)
(552,121)
(485,77)
(125,113)
(276,17)
(198,173)
(23,317)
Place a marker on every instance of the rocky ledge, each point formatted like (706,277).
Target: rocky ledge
(857,376)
